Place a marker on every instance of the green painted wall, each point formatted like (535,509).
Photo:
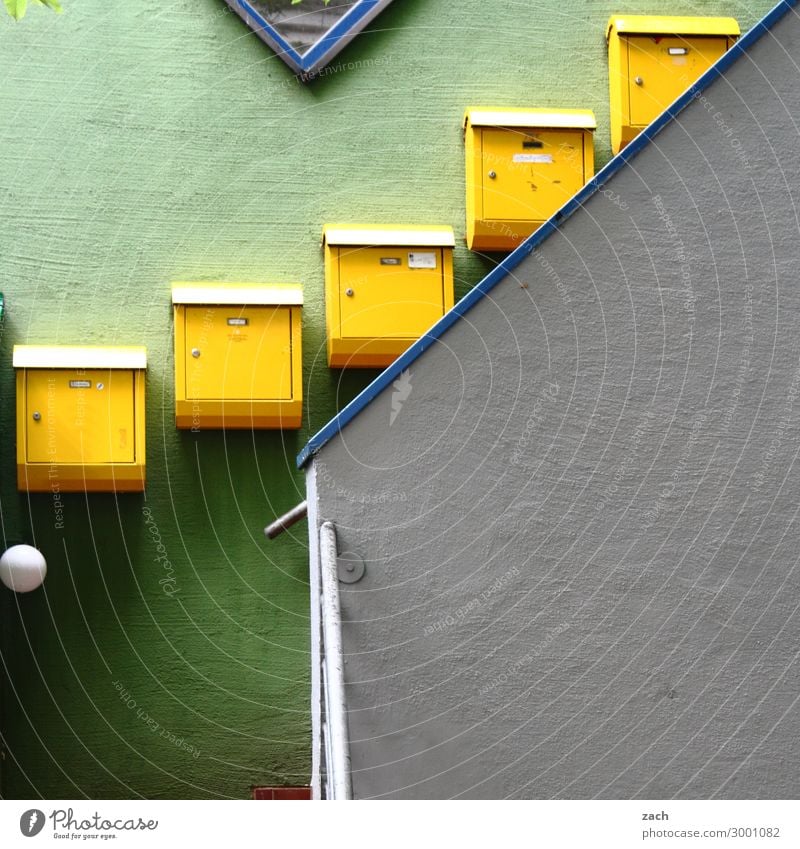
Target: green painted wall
(145,142)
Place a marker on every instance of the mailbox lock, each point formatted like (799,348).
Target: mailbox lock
(638,80)
(37,416)
(349,293)
(492,175)
(195,352)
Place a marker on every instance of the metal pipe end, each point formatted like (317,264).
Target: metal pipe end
(287,520)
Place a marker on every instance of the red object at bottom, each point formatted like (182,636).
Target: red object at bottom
(278,794)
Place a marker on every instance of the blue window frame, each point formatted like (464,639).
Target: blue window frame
(309,34)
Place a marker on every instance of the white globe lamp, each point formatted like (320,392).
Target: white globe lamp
(22,568)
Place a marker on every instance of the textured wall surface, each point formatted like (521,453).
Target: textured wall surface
(146,142)
(580,523)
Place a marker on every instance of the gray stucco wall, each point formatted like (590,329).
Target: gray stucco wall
(581,527)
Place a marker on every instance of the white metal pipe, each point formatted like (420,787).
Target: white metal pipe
(328,756)
(339,765)
(315,615)
(326,735)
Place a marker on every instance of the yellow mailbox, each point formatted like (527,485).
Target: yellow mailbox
(522,166)
(652,60)
(238,355)
(80,418)
(384,287)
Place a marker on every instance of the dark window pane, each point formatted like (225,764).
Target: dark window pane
(305,23)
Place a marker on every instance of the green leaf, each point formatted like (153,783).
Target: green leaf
(16,8)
